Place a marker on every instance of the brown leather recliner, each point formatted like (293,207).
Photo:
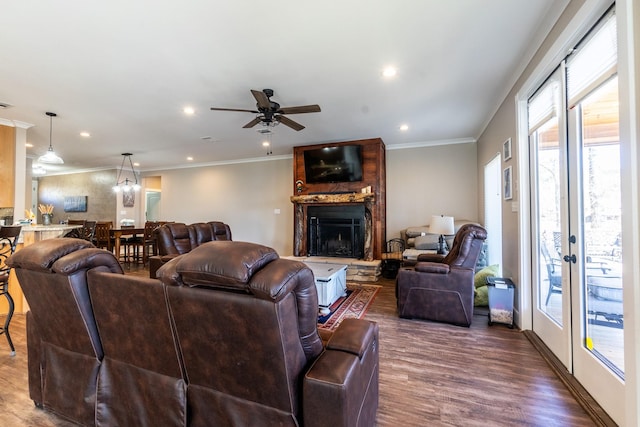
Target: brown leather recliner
(174,238)
(141,381)
(247,326)
(177,238)
(441,288)
(64,347)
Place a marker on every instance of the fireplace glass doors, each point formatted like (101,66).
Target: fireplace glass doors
(336,231)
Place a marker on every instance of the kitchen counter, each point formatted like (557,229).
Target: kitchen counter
(29,235)
(34,233)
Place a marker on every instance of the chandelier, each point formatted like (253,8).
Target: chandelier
(50,156)
(126,184)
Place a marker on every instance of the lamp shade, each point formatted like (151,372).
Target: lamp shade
(441,224)
(50,156)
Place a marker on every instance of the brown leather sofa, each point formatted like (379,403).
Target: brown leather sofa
(64,348)
(441,288)
(227,336)
(177,238)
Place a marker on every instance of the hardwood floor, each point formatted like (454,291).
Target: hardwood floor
(431,374)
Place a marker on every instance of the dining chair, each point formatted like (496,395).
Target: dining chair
(89,230)
(554,272)
(77,233)
(149,244)
(8,239)
(102,236)
(131,245)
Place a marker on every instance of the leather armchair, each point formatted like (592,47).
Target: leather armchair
(173,239)
(247,326)
(441,288)
(64,348)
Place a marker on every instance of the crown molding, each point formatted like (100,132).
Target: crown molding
(435,143)
(15,123)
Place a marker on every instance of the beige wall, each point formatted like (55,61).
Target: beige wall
(420,182)
(101,204)
(430,181)
(502,126)
(243,195)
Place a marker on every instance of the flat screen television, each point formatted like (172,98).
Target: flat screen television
(342,163)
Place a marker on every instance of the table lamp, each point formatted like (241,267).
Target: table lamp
(442,225)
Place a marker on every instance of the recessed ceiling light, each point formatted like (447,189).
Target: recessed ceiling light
(265,143)
(189,111)
(28,145)
(190,159)
(389,72)
(136,164)
(404,127)
(85,134)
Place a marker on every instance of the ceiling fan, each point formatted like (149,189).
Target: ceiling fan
(270,113)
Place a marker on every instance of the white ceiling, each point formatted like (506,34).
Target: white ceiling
(124,70)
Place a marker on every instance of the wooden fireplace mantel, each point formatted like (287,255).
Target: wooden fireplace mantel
(334,198)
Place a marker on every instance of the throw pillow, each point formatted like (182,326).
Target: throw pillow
(428,241)
(417,231)
(481,298)
(480,279)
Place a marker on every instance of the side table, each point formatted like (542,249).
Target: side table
(331,283)
(501,290)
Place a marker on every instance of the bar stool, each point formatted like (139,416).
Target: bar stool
(8,240)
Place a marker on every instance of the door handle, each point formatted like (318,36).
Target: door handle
(568,258)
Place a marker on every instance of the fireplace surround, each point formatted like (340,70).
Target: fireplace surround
(337,202)
(344,194)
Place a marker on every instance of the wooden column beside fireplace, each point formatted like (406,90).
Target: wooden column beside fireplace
(345,191)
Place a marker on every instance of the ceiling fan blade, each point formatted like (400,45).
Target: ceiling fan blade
(300,109)
(235,109)
(288,122)
(253,122)
(261,97)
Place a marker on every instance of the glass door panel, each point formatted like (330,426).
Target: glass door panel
(601,216)
(549,182)
(549,190)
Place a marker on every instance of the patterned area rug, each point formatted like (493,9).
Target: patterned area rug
(358,300)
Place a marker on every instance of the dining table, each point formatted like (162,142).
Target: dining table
(117,233)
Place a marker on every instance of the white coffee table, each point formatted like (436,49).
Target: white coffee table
(331,283)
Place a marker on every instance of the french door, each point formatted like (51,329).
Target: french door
(574,153)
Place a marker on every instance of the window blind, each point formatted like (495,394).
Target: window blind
(594,61)
(544,105)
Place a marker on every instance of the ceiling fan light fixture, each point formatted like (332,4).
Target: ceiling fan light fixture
(269,113)
(50,156)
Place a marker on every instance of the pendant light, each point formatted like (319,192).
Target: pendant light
(127,184)
(50,156)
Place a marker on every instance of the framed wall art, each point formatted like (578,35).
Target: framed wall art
(507,178)
(75,204)
(506,150)
(128,199)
